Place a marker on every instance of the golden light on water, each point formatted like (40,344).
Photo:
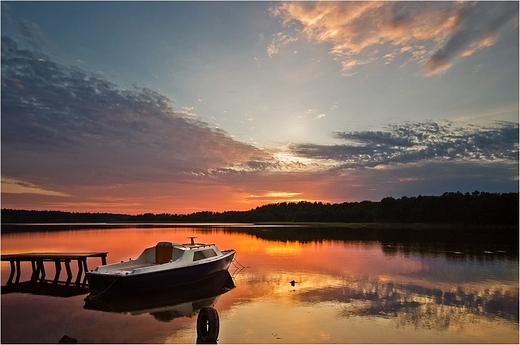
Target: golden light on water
(283,248)
(304,292)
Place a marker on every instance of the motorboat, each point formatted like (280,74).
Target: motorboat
(164,265)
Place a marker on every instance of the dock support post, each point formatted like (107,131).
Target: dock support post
(41,269)
(69,272)
(57,264)
(11,276)
(34,275)
(17,271)
(80,272)
(84,260)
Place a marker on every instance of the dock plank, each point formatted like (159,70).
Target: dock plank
(51,256)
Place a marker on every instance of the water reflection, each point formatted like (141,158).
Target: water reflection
(425,307)
(456,244)
(47,288)
(300,285)
(166,304)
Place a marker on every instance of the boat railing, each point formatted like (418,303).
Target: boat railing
(194,245)
(198,245)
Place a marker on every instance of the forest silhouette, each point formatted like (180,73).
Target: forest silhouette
(477,208)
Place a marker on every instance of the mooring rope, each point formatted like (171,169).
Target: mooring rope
(238,268)
(102,292)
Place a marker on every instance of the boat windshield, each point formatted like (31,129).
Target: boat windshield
(177,253)
(203,254)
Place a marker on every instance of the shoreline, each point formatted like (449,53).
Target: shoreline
(322,225)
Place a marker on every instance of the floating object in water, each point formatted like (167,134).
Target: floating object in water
(67,340)
(208,325)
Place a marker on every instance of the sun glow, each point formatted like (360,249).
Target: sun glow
(281,194)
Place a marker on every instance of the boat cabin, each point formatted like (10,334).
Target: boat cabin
(174,254)
(165,252)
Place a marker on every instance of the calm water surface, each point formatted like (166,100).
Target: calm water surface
(345,291)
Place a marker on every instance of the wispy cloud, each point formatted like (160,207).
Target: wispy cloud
(432,33)
(14,186)
(78,128)
(478,27)
(29,32)
(414,142)
(279,42)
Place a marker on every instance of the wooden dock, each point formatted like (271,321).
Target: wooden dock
(38,269)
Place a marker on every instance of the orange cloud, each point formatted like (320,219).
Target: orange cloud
(14,186)
(434,33)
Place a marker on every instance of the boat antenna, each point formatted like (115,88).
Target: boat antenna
(192,239)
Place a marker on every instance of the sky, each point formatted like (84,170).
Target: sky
(179,107)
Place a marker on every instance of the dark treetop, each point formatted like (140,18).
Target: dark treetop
(450,208)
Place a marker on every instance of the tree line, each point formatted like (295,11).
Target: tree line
(449,208)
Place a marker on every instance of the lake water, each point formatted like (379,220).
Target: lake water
(349,287)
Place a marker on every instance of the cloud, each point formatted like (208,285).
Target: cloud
(29,32)
(69,132)
(478,27)
(64,126)
(279,42)
(432,33)
(273,197)
(14,186)
(413,142)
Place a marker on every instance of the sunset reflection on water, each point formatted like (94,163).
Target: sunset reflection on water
(344,291)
